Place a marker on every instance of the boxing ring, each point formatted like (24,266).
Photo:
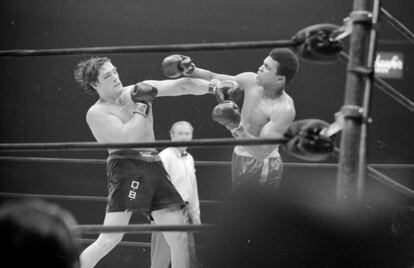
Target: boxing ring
(352,167)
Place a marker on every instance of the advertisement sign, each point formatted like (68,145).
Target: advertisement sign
(389,65)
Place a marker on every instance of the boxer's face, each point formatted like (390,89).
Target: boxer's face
(108,83)
(267,73)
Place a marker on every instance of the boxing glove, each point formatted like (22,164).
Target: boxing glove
(143,94)
(227,114)
(176,65)
(225,90)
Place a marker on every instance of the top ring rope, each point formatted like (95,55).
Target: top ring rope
(150,48)
(66,146)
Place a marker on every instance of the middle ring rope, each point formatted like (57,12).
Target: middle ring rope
(66,146)
(76,197)
(197,163)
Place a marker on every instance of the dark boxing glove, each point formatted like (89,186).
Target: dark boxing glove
(175,66)
(225,90)
(143,94)
(227,114)
(306,142)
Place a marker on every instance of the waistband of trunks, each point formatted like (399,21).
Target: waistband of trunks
(142,155)
(240,150)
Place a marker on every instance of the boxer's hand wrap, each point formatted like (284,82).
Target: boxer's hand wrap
(212,86)
(142,109)
(239,131)
(143,94)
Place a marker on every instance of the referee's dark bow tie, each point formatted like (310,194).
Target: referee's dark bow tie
(184,154)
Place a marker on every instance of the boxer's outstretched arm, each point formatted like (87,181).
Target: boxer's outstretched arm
(209,75)
(181,86)
(182,66)
(245,80)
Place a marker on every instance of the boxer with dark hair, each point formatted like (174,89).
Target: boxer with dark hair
(267,111)
(137,180)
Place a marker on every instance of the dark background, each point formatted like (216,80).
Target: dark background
(41,102)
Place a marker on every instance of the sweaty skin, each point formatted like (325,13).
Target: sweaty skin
(267,109)
(111,118)
(103,116)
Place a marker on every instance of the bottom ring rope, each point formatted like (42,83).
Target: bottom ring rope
(128,243)
(141,228)
(122,243)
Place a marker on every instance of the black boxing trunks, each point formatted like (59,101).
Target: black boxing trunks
(137,181)
(246,170)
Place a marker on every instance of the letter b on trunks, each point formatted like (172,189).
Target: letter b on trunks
(132,192)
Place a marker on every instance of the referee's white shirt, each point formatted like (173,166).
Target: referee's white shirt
(181,169)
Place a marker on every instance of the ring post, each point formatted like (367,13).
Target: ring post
(359,81)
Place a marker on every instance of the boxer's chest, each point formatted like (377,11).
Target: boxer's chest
(126,112)
(256,112)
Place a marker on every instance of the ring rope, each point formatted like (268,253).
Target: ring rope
(76,197)
(122,243)
(65,146)
(386,88)
(141,228)
(397,25)
(151,48)
(379,176)
(197,163)
(393,93)
(128,243)
(53,160)
(375,174)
